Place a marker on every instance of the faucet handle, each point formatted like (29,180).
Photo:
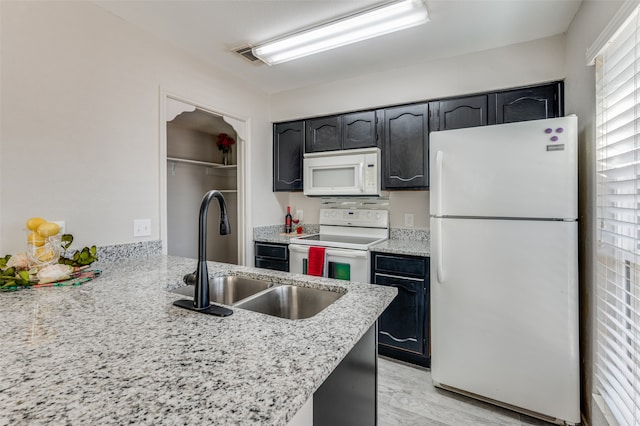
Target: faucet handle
(190,279)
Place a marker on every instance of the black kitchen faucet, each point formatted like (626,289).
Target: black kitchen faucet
(200,302)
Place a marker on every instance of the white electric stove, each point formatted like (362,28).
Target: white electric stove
(346,235)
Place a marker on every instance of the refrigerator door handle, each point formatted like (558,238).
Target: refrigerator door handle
(439,160)
(439,263)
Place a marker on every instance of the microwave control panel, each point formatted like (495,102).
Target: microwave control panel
(370,177)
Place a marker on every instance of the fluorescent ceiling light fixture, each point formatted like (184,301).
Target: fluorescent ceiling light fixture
(383,19)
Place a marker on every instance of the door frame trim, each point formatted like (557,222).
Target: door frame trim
(241,125)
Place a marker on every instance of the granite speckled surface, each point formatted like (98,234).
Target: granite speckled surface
(115,350)
(123,251)
(275,233)
(413,242)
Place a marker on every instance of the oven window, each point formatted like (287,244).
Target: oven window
(337,270)
(339,177)
(340,271)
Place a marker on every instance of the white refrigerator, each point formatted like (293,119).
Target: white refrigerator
(504,265)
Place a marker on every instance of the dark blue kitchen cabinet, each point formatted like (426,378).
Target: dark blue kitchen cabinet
(402,132)
(459,113)
(288,145)
(405,147)
(530,103)
(507,106)
(348,131)
(272,256)
(360,130)
(323,134)
(403,328)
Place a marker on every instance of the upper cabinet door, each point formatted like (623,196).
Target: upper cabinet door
(288,140)
(460,113)
(405,153)
(323,134)
(359,130)
(532,103)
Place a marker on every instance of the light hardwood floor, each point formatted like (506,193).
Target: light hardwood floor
(407,397)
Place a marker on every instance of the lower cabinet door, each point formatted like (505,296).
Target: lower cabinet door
(402,324)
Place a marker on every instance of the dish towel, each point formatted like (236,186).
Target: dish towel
(316,261)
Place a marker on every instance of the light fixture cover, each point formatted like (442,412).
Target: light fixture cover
(383,19)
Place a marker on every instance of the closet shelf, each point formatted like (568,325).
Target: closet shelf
(202,163)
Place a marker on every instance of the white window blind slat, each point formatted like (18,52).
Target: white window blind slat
(617,363)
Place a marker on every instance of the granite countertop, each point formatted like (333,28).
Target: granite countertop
(276,234)
(413,242)
(115,350)
(408,247)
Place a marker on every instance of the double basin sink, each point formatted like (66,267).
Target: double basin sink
(284,301)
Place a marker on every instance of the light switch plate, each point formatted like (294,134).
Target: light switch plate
(142,227)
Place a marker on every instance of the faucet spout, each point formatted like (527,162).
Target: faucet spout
(201,295)
(201,292)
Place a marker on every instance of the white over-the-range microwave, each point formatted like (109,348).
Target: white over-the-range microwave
(346,172)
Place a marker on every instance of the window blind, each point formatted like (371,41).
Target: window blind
(617,362)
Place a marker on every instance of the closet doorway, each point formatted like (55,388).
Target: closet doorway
(195,165)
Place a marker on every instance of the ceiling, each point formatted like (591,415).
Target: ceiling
(211,29)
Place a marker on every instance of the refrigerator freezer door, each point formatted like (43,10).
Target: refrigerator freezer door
(526,169)
(504,301)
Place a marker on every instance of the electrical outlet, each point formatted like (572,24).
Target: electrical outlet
(62,226)
(141,227)
(408,219)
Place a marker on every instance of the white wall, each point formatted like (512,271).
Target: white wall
(80,122)
(590,20)
(401,202)
(511,66)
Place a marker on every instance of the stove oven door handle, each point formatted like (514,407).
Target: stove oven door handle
(299,248)
(355,254)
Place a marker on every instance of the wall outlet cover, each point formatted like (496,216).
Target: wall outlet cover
(408,219)
(142,227)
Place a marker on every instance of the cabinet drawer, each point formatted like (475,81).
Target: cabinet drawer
(272,251)
(413,266)
(276,265)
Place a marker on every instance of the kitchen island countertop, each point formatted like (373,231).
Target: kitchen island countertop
(115,350)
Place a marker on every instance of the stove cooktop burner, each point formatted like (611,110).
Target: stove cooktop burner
(348,229)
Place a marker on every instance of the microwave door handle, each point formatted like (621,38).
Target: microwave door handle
(360,177)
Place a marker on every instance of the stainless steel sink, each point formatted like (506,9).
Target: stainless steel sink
(290,302)
(229,289)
